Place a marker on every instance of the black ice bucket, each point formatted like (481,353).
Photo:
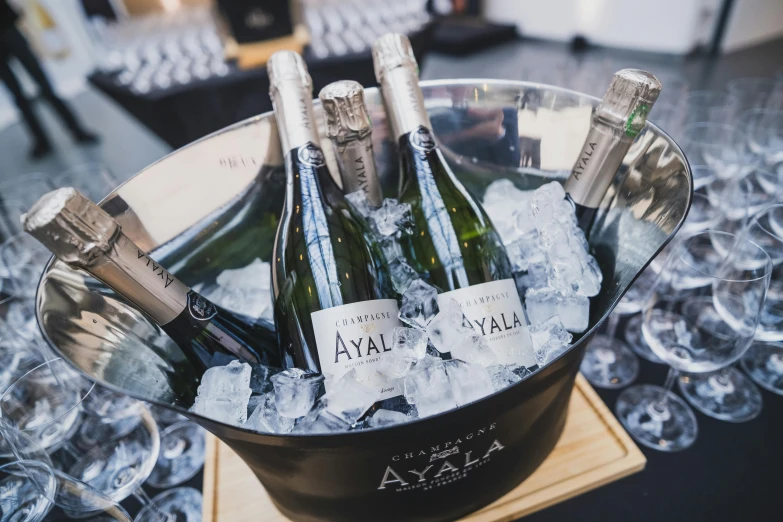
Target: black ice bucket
(200,210)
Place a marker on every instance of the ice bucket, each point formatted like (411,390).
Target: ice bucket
(201,209)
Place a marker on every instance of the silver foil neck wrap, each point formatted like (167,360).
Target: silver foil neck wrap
(74,228)
(344,111)
(291,90)
(391,51)
(628,100)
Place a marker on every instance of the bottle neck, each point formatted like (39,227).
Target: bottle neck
(404,101)
(357,168)
(599,159)
(132,274)
(293,107)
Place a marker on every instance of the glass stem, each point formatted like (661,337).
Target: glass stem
(611,325)
(142,496)
(723,376)
(663,402)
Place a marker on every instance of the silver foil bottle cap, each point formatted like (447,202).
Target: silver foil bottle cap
(285,68)
(390,51)
(74,228)
(344,111)
(629,99)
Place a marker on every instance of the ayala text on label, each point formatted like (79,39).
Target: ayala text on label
(495,311)
(356,336)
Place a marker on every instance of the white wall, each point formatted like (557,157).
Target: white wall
(670,26)
(752,22)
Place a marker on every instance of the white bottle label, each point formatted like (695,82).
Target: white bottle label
(495,311)
(357,336)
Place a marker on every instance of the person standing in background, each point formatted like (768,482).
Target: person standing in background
(14,45)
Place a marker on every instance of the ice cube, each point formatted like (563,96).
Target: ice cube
(395,365)
(564,213)
(224,393)
(384,418)
(545,201)
(524,220)
(502,190)
(249,301)
(419,304)
(230,381)
(319,420)
(257,274)
(391,217)
(469,382)
(573,309)
(503,375)
(265,417)
(474,349)
(296,391)
(260,378)
(360,203)
(550,339)
(427,387)
(446,330)
(348,399)
(390,248)
(410,340)
(402,275)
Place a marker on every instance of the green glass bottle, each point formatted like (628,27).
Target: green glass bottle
(85,237)
(454,243)
(333,311)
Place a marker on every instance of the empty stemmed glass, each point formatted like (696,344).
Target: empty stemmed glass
(751,92)
(764,360)
(609,362)
(723,147)
(122,460)
(26,488)
(69,498)
(181,455)
(94,180)
(710,106)
(764,130)
(700,316)
(44,403)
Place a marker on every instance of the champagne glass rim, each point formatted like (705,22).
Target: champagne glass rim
(755,220)
(709,233)
(81,391)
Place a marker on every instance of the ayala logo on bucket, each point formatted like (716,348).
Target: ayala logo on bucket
(441,464)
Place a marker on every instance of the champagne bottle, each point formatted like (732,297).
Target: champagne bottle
(84,236)
(348,126)
(616,121)
(454,243)
(332,310)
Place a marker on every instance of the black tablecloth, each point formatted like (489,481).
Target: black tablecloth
(732,473)
(182,114)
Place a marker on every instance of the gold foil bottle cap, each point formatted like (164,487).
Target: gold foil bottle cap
(286,68)
(390,51)
(629,99)
(344,111)
(74,228)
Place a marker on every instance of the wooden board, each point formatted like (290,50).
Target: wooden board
(593,450)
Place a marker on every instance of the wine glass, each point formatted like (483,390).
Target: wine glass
(703,175)
(174,505)
(26,488)
(181,455)
(635,340)
(27,188)
(764,361)
(70,498)
(723,147)
(94,180)
(764,129)
(608,362)
(751,92)
(700,316)
(710,106)
(44,403)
